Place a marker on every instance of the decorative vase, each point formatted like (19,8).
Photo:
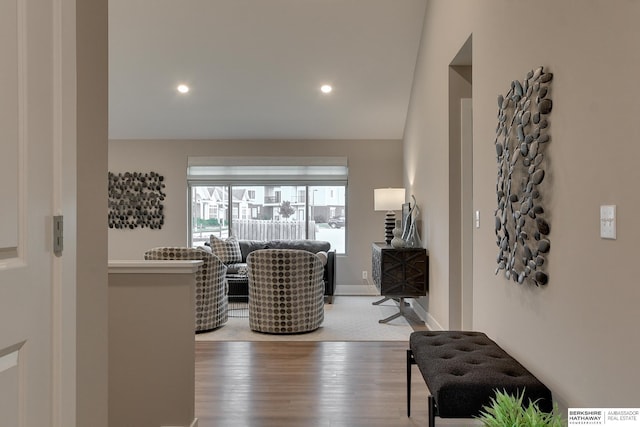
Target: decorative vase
(408,220)
(407,226)
(397,241)
(412,240)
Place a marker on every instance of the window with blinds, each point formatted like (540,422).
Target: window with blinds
(265,198)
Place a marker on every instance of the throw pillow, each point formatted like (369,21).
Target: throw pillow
(227,250)
(205,248)
(323,257)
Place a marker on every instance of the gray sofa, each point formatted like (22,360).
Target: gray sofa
(313,246)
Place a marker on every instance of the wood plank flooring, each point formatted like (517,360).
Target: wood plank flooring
(306,384)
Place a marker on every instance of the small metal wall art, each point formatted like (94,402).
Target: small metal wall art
(135,200)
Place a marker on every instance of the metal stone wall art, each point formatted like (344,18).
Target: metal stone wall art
(135,200)
(522,232)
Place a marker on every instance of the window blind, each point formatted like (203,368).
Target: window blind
(327,170)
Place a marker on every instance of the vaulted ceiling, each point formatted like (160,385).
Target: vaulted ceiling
(255,67)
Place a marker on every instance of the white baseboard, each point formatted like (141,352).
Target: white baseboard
(194,423)
(430,321)
(363,289)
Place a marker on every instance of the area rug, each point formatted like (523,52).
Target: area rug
(349,318)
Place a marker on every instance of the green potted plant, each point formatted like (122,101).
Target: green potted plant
(508,411)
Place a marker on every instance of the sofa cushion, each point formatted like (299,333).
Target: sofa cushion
(313,246)
(227,250)
(237,268)
(248,246)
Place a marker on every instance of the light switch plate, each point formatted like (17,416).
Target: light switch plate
(477,219)
(608,221)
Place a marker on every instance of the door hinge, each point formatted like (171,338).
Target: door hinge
(58,234)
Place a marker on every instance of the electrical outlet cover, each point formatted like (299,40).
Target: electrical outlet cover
(608,221)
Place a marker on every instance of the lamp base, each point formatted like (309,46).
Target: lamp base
(389,225)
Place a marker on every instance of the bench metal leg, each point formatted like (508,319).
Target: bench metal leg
(432,411)
(430,400)
(410,361)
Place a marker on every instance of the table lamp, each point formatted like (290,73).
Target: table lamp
(388,199)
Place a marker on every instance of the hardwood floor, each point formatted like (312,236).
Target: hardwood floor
(306,384)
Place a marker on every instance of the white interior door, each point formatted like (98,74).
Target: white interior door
(30,89)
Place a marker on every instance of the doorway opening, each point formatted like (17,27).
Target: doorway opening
(461,189)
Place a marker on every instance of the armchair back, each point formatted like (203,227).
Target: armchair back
(286,291)
(211,286)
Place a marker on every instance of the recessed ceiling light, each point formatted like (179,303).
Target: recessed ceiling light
(326,88)
(183,88)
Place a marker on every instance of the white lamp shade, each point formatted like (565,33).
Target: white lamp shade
(388,199)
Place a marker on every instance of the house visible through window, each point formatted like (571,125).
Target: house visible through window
(274,213)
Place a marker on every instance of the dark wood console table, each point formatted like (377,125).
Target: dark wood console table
(399,273)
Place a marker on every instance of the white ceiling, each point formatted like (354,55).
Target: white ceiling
(255,68)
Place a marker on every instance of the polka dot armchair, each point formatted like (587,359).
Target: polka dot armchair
(211,285)
(286,291)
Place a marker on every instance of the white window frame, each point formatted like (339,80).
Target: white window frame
(230,212)
(264,171)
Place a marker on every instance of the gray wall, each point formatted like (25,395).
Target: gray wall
(91,193)
(372,164)
(578,334)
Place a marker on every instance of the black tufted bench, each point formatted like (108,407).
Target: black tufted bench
(462,371)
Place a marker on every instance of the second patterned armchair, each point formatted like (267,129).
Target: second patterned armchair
(286,291)
(211,286)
